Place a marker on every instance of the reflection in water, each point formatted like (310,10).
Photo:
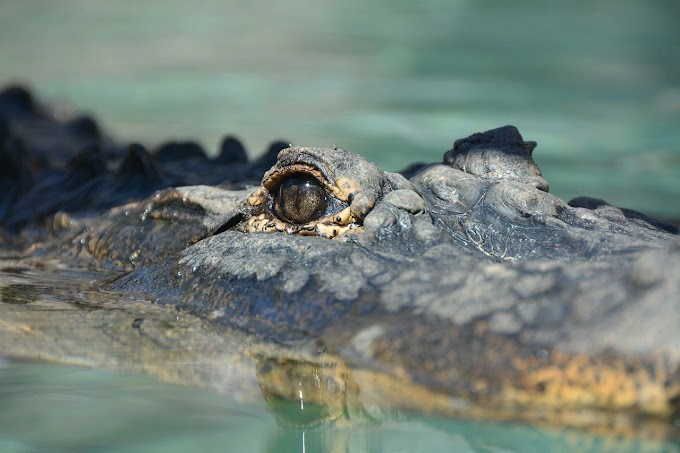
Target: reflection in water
(318,406)
(317,403)
(335,408)
(17,294)
(308,395)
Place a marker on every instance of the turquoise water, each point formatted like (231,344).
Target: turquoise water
(596,83)
(55,408)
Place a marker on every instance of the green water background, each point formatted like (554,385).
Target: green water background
(595,82)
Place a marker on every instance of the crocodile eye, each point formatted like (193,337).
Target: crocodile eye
(300,199)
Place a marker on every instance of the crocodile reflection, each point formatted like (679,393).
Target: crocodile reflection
(310,395)
(304,395)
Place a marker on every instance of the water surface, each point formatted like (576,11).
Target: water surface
(596,83)
(52,407)
(60,408)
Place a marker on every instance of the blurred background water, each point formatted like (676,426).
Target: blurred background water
(595,82)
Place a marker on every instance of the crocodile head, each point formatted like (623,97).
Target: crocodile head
(464,280)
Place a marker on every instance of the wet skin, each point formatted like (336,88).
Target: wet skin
(462,285)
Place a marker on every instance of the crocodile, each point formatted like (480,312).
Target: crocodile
(460,288)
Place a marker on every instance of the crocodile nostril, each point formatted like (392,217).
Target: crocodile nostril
(300,199)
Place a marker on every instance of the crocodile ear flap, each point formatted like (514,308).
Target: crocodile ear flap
(228,223)
(231,219)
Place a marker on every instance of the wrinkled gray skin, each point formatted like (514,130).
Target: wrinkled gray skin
(468,282)
(451,243)
(469,278)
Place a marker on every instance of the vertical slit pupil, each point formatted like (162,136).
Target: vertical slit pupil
(300,199)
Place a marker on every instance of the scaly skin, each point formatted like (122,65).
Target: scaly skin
(466,287)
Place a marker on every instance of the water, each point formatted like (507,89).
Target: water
(60,408)
(596,83)
(202,392)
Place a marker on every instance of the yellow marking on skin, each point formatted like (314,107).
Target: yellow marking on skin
(580,380)
(324,229)
(257,197)
(344,217)
(347,187)
(330,230)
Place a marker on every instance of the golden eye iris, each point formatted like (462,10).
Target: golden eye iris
(300,199)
